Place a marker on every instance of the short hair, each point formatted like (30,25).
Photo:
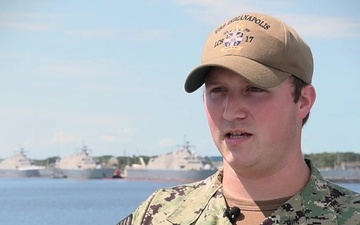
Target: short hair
(298,85)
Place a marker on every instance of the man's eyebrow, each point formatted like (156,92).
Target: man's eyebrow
(212,80)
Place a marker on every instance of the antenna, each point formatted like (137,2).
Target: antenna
(186,144)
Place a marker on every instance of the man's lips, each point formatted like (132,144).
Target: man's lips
(237,135)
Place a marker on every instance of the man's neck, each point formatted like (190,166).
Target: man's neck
(287,181)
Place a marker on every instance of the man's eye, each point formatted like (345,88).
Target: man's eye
(255,89)
(217,90)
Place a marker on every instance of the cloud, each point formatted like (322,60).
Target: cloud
(128,130)
(26,26)
(166,142)
(107,138)
(36,22)
(318,26)
(62,137)
(152,34)
(78,68)
(325,26)
(96,32)
(147,34)
(27,21)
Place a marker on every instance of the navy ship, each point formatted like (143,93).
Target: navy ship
(179,165)
(19,165)
(81,165)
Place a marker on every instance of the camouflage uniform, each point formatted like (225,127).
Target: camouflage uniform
(319,202)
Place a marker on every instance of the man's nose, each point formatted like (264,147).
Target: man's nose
(234,107)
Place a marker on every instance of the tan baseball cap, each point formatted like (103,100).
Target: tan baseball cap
(261,48)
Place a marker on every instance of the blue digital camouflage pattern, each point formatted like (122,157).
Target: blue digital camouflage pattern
(319,202)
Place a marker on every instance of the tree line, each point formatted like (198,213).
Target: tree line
(324,160)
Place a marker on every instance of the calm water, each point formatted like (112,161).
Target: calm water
(43,201)
(40,201)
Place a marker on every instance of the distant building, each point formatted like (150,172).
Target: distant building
(350,165)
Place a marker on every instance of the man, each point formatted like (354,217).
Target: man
(257,73)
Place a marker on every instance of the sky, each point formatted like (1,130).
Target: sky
(110,74)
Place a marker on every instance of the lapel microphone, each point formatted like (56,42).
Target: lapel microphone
(232,213)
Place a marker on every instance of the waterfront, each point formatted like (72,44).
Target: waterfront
(42,201)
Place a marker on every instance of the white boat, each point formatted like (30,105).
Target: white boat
(179,165)
(19,165)
(81,165)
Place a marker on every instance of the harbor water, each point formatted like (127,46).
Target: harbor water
(42,201)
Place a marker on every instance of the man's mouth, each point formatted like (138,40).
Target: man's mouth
(237,135)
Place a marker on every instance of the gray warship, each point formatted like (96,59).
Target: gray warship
(19,165)
(179,165)
(81,165)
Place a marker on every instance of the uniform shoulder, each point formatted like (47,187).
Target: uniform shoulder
(179,191)
(344,196)
(346,204)
(165,201)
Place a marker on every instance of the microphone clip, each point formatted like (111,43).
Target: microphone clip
(232,213)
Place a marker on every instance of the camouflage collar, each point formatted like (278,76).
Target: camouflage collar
(314,204)
(317,203)
(190,209)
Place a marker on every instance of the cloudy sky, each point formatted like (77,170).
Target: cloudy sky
(110,74)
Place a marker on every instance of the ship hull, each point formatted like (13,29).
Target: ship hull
(19,173)
(168,175)
(85,173)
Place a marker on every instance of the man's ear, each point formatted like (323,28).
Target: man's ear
(307,100)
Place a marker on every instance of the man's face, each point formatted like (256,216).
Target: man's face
(255,129)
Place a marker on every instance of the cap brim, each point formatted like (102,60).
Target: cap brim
(257,73)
